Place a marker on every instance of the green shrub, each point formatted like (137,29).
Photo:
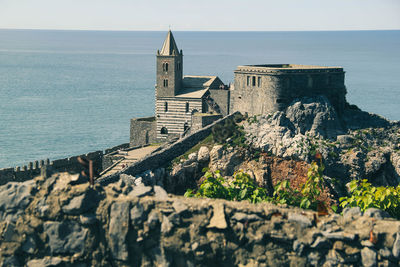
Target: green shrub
(307,197)
(242,187)
(366,196)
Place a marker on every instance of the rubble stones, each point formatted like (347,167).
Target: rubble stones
(376,213)
(140,191)
(118,229)
(65,237)
(150,230)
(218,219)
(368,257)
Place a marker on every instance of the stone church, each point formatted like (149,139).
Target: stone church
(185,104)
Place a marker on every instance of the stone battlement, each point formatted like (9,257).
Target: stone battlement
(287,68)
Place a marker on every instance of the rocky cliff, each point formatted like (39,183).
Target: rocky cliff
(63,221)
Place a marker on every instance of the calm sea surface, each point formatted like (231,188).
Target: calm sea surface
(63,93)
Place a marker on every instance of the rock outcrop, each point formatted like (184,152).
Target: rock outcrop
(354,145)
(56,222)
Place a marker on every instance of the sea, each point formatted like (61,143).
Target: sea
(64,93)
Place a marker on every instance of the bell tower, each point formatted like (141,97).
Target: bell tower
(169,68)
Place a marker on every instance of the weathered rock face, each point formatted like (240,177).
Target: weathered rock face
(350,150)
(157,229)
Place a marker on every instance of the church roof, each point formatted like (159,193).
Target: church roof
(169,47)
(196,86)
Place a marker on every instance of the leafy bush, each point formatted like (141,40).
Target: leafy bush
(307,197)
(242,187)
(366,196)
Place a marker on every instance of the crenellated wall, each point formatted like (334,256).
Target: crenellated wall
(70,164)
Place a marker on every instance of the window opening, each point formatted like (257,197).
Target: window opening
(164,130)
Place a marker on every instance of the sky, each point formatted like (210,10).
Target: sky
(201,15)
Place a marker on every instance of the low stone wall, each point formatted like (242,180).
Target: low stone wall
(54,222)
(164,156)
(70,164)
(201,120)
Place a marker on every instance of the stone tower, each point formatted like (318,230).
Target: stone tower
(169,68)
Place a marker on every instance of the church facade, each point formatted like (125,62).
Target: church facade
(186,103)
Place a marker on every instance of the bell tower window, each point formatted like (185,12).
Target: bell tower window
(254,80)
(165,67)
(165,82)
(166,106)
(187,107)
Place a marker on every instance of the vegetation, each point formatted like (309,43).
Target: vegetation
(229,133)
(307,197)
(366,196)
(243,187)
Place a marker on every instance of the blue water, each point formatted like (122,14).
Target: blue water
(64,93)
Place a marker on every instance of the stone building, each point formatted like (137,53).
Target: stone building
(182,102)
(260,89)
(188,103)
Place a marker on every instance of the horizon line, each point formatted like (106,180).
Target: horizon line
(113,30)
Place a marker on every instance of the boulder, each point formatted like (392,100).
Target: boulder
(204,154)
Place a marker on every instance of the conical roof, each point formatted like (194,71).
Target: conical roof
(169,47)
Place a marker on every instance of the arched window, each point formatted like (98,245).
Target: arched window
(166,83)
(254,80)
(178,66)
(248,80)
(165,66)
(185,126)
(166,106)
(258,81)
(164,130)
(187,106)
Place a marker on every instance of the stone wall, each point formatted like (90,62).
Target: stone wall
(164,156)
(275,88)
(70,164)
(201,120)
(143,131)
(54,222)
(222,98)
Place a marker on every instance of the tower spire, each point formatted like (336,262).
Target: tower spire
(169,47)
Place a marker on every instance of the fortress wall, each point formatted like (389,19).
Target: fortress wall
(222,98)
(255,100)
(142,131)
(164,156)
(278,89)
